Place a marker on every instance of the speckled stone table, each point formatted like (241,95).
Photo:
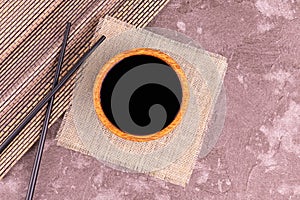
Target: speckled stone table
(258,153)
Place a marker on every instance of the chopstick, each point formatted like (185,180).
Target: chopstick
(43,102)
(38,157)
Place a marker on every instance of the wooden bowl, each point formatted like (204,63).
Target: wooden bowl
(112,63)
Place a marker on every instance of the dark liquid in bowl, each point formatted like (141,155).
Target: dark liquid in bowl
(145,95)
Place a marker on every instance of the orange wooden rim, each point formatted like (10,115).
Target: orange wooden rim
(110,64)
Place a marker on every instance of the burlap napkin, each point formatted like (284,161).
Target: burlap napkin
(171,157)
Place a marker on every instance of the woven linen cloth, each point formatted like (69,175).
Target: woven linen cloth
(171,157)
(31,34)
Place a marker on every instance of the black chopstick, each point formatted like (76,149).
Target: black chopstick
(40,105)
(38,157)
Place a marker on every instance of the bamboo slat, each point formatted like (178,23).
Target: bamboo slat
(31,35)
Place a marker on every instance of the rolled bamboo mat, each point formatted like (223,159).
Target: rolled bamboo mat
(30,37)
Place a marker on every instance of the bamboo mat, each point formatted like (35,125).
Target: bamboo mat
(30,37)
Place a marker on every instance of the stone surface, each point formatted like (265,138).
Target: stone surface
(258,153)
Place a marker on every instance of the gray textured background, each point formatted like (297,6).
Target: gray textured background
(258,153)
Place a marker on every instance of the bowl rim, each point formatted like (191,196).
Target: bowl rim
(116,59)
